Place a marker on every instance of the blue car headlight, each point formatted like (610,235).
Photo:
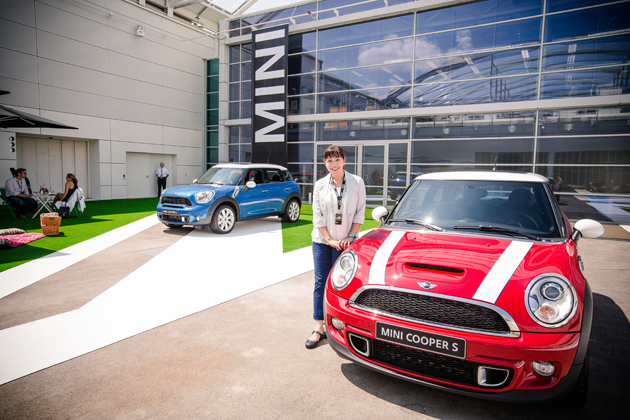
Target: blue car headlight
(204,197)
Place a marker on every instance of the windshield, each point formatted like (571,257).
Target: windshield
(222,176)
(495,207)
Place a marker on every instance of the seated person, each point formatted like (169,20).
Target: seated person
(17,195)
(71,186)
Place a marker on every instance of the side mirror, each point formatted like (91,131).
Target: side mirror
(195,181)
(587,228)
(380,214)
(250,184)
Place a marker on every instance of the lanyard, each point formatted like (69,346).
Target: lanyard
(339,195)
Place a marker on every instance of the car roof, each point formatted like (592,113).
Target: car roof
(250,165)
(484,176)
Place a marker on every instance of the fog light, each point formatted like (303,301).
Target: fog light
(183,219)
(337,323)
(198,218)
(543,368)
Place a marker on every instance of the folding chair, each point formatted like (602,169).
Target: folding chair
(5,203)
(76,202)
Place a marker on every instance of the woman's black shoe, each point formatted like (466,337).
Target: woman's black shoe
(311,344)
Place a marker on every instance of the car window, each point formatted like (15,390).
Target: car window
(287,175)
(255,175)
(274,175)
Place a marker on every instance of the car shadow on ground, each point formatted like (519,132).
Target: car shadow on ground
(607,390)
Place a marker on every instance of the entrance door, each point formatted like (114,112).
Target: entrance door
(378,165)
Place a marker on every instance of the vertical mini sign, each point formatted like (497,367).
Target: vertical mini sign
(269,89)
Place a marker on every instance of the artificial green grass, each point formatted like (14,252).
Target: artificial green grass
(102,216)
(298,235)
(99,217)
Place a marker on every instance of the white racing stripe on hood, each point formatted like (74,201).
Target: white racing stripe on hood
(501,272)
(379,262)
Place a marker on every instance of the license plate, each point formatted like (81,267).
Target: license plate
(175,212)
(434,343)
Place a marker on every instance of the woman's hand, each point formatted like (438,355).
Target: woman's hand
(345,243)
(334,244)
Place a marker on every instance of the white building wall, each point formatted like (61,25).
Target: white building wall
(77,64)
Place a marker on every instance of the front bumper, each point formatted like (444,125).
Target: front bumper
(512,354)
(196,216)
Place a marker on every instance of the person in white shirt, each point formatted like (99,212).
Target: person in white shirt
(338,213)
(17,194)
(161,173)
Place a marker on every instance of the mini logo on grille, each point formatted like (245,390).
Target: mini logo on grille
(426,285)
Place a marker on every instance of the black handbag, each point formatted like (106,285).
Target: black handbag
(64,212)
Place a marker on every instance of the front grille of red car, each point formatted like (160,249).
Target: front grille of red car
(182,201)
(433,310)
(428,364)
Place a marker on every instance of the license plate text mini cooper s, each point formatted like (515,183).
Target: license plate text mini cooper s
(473,284)
(227,193)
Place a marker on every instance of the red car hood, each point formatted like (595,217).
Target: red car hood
(491,269)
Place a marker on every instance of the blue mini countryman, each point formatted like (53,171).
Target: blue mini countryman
(230,192)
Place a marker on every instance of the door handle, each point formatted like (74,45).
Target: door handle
(265,191)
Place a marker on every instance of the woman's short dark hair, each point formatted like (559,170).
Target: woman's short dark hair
(333,152)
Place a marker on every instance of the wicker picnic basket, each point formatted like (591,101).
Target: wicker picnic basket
(50,223)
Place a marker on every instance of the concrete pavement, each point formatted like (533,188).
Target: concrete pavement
(245,357)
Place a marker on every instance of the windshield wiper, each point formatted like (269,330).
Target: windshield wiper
(484,228)
(215,182)
(419,222)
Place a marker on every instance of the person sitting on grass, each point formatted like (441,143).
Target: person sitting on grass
(17,194)
(71,186)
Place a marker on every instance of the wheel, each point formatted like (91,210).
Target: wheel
(577,398)
(223,220)
(292,213)
(519,219)
(172,226)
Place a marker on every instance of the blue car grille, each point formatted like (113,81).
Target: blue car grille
(182,201)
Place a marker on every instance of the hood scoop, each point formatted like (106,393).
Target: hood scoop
(433,272)
(418,266)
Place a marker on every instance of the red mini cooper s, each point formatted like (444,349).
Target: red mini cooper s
(473,284)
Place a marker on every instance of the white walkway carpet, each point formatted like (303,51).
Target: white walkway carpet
(199,271)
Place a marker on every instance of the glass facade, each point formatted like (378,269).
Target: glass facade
(212,112)
(485,52)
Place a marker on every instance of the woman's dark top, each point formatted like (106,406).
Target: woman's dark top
(70,191)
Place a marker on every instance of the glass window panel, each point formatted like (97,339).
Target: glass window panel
(246,109)
(511,151)
(300,132)
(589,22)
(373,154)
(235,24)
(213,117)
(577,54)
(384,129)
(301,105)
(213,138)
(301,172)
(397,153)
(584,150)
(397,176)
(246,134)
(598,82)
(246,153)
(235,72)
(246,71)
(233,153)
(301,63)
(372,174)
(374,196)
(299,85)
(512,124)
(477,91)
(235,54)
(327,5)
(386,52)
(601,179)
(302,42)
(586,121)
(366,77)
(364,100)
(212,155)
(476,13)
(213,67)
(560,5)
(234,89)
(234,110)
(234,134)
(447,168)
(300,152)
(246,52)
(521,61)
(213,84)
(213,100)
(377,30)
(246,90)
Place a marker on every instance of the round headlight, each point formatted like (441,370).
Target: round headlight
(204,197)
(551,300)
(344,270)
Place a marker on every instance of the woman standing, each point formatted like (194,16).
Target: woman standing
(71,185)
(338,213)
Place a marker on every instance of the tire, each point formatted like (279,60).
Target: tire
(577,397)
(172,226)
(292,212)
(223,220)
